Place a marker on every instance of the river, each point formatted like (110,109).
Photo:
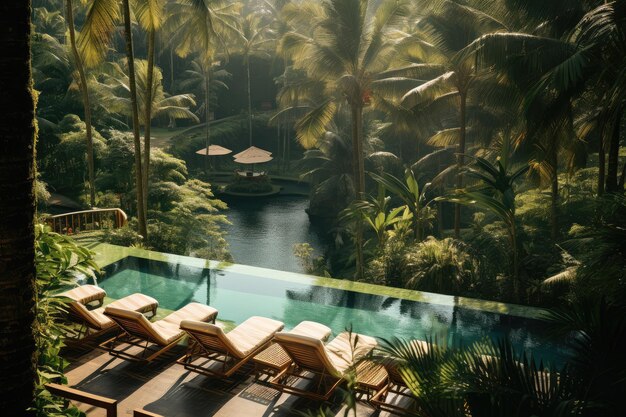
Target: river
(264,231)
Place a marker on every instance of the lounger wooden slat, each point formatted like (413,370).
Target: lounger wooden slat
(274,359)
(326,366)
(153,339)
(93,323)
(210,346)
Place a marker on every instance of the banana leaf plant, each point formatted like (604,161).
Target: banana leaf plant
(494,193)
(412,195)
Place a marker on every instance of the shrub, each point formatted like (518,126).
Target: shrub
(124,236)
(444,266)
(245,185)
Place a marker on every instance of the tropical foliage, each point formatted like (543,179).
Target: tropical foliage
(60,262)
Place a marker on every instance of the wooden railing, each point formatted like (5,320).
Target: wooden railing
(73,394)
(87,220)
(109,404)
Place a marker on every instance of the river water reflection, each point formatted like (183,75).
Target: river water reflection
(264,230)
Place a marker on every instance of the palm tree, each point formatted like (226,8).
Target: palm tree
(438,39)
(205,28)
(562,58)
(130,58)
(602,31)
(82,85)
(102,18)
(205,75)
(329,169)
(150,15)
(256,42)
(343,44)
(17,211)
(115,94)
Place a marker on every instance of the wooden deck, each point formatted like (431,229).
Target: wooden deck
(165,388)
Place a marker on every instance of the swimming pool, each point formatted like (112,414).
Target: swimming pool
(239,292)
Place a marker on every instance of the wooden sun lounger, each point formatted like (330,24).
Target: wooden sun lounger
(326,366)
(157,337)
(93,322)
(274,359)
(209,344)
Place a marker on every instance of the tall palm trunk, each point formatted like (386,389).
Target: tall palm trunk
(148,119)
(287,147)
(554,192)
(82,85)
(359,180)
(171,68)
(17,211)
(207,83)
(613,158)
(516,277)
(460,159)
(249,100)
(141,216)
(601,166)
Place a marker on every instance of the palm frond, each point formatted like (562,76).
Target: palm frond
(95,37)
(311,127)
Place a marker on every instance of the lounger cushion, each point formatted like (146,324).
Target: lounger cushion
(192,311)
(94,318)
(162,333)
(335,358)
(168,332)
(312,329)
(85,294)
(253,332)
(242,340)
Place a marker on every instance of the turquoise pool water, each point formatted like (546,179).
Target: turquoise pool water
(239,295)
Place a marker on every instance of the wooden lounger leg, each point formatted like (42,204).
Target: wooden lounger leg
(281,383)
(112,346)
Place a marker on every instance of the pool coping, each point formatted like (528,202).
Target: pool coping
(107,254)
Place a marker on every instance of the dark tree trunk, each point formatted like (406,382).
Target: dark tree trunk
(148,119)
(17,211)
(207,110)
(249,100)
(359,181)
(141,215)
(613,159)
(82,85)
(601,165)
(460,160)
(554,193)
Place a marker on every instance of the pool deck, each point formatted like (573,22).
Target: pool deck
(167,389)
